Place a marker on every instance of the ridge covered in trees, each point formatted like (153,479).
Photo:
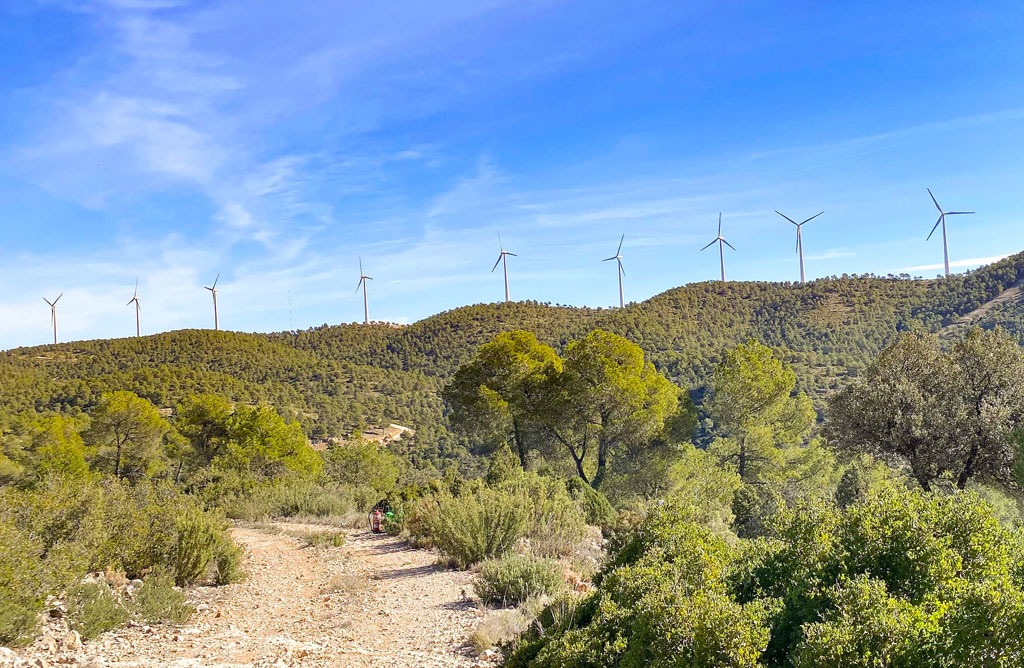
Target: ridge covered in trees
(334,379)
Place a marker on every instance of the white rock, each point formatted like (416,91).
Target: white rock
(72,641)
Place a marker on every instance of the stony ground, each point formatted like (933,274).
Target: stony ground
(372,602)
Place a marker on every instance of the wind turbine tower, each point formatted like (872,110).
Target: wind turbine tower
(942,219)
(135,298)
(362,284)
(503,261)
(213,291)
(618,259)
(799,238)
(720,240)
(53,314)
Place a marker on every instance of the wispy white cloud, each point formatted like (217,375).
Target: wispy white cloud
(830,254)
(956,264)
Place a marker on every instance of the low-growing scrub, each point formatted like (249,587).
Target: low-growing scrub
(898,579)
(228,563)
(93,608)
(472,527)
(318,538)
(57,531)
(157,600)
(346,583)
(512,579)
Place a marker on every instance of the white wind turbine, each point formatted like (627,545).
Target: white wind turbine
(503,260)
(942,219)
(799,238)
(135,298)
(53,314)
(213,291)
(720,240)
(618,259)
(362,284)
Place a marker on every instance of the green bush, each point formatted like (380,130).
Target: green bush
(252,501)
(198,540)
(477,525)
(158,601)
(319,538)
(597,511)
(899,579)
(93,608)
(512,579)
(228,563)
(555,522)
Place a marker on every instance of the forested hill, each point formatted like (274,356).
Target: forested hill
(333,378)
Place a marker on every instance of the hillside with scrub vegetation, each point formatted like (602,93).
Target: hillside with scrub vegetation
(741,474)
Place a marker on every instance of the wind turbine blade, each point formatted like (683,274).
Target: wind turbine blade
(933,200)
(359,285)
(500,245)
(619,249)
(709,245)
(813,217)
(136,292)
(621,268)
(728,244)
(614,257)
(368,278)
(719,223)
(511,253)
(215,281)
(957,213)
(936,226)
(58,298)
(130,302)
(360,265)
(785,216)
(497,262)
(47,301)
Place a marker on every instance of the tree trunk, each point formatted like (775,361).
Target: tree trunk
(742,466)
(602,464)
(517,437)
(117,461)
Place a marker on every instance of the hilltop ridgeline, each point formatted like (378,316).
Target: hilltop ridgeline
(333,379)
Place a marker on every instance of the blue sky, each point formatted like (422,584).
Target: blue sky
(277,142)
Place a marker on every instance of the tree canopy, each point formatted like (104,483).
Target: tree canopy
(946,414)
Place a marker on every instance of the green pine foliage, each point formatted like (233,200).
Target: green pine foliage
(334,379)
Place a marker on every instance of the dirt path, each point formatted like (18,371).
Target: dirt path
(372,602)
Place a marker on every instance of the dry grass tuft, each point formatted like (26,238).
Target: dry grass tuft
(340,582)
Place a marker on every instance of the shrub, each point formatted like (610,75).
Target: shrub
(555,521)
(512,579)
(18,619)
(597,511)
(22,584)
(478,525)
(251,501)
(319,538)
(157,600)
(93,608)
(228,562)
(197,545)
